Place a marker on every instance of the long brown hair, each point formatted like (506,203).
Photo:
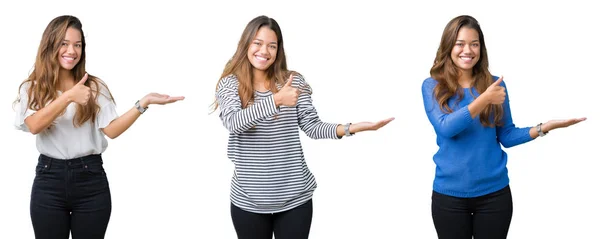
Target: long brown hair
(43,81)
(446,73)
(240,66)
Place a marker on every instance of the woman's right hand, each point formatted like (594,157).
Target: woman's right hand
(80,93)
(287,95)
(495,94)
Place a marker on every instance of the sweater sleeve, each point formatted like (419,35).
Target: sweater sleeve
(234,118)
(308,119)
(508,134)
(445,125)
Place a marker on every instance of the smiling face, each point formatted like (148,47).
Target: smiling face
(466,51)
(70,49)
(262,51)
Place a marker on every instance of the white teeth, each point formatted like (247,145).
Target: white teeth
(261,58)
(466,57)
(69,58)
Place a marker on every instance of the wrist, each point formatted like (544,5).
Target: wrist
(486,98)
(277,99)
(68,97)
(352,129)
(144,102)
(348,129)
(545,127)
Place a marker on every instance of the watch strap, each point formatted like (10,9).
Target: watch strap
(347,130)
(140,108)
(539,130)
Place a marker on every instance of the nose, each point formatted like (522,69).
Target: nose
(70,49)
(263,49)
(467,49)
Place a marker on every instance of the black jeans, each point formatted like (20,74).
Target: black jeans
(70,196)
(292,224)
(484,217)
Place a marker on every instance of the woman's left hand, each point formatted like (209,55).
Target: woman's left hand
(555,124)
(369,126)
(159,99)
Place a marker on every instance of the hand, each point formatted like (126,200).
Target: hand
(287,95)
(159,99)
(495,93)
(369,126)
(80,93)
(555,124)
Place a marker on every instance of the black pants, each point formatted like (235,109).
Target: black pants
(292,224)
(484,217)
(70,196)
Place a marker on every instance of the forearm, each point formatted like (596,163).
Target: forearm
(44,117)
(339,130)
(239,120)
(121,124)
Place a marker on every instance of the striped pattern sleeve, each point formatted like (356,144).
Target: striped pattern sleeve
(236,119)
(308,119)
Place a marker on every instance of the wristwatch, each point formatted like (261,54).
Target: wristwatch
(347,130)
(539,130)
(140,108)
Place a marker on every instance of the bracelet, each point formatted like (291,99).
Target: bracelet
(140,108)
(539,130)
(347,130)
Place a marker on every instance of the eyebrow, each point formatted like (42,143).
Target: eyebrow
(273,42)
(471,41)
(69,41)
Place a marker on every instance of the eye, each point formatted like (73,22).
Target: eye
(460,44)
(63,44)
(475,44)
(78,45)
(273,47)
(257,43)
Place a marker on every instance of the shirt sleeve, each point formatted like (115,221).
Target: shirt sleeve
(234,118)
(508,134)
(445,124)
(22,110)
(308,118)
(108,111)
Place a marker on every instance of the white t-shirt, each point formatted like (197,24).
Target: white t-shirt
(63,140)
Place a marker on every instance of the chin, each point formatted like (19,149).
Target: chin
(261,67)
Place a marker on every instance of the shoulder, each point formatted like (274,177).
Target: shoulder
(495,78)
(229,81)
(300,82)
(298,78)
(24,87)
(101,88)
(429,83)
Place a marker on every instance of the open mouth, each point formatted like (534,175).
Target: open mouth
(467,59)
(261,58)
(68,59)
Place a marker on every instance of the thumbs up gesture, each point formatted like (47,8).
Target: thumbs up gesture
(287,95)
(80,93)
(495,93)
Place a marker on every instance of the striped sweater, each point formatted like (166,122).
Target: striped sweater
(270,173)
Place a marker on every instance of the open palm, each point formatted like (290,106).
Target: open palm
(161,99)
(371,126)
(555,124)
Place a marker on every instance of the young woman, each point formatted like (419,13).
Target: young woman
(263,104)
(71,112)
(470,113)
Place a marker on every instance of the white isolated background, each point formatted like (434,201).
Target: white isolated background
(170,176)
